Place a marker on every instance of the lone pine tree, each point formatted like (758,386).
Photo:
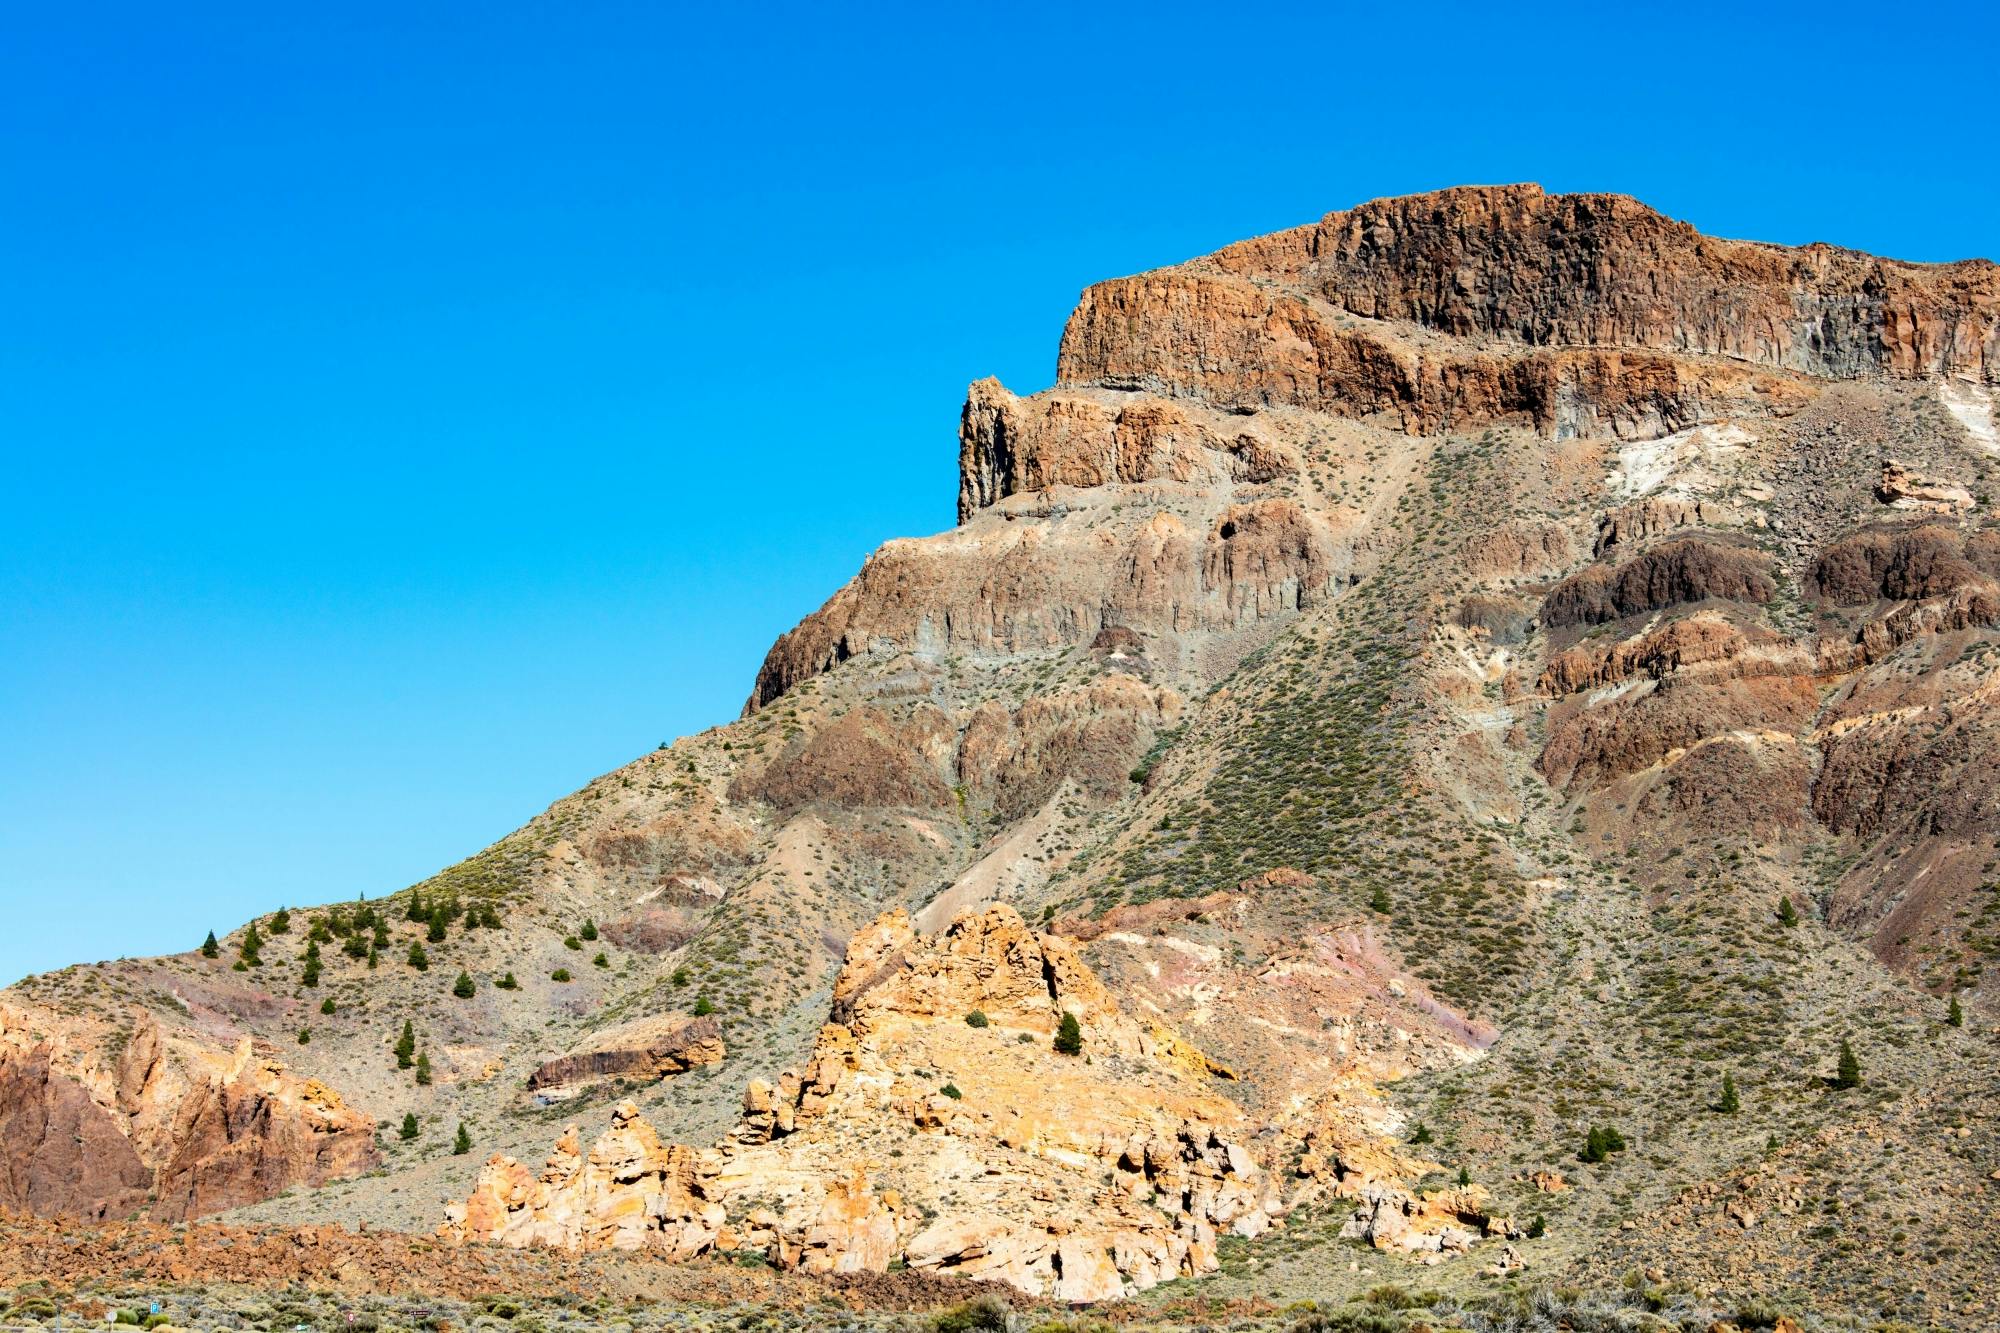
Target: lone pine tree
(1847,1074)
(1069,1035)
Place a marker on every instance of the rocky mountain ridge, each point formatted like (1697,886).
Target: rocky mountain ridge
(1475,669)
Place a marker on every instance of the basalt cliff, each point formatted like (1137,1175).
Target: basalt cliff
(1430,693)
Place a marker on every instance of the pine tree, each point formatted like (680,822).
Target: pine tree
(703,1006)
(281,922)
(1730,1103)
(1848,1073)
(209,948)
(1538,1228)
(310,976)
(461,1145)
(1787,914)
(326,1005)
(462,987)
(1464,1176)
(418,958)
(424,1069)
(305,1036)
(601,960)
(589,930)
(373,957)
(409,1130)
(252,943)
(406,1045)
(507,983)
(436,933)
(418,912)
(1953,1015)
(1422,1134)
(1069,1035)
(1378,901)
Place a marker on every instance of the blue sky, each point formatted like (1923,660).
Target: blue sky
(406,419)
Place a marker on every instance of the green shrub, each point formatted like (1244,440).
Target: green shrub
(703,1006)
(463,987)
(410,1129)
(1069,1035)
(560,974)
(976,1019)
(980,1313)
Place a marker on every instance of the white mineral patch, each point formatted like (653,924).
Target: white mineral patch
(1688,460)
(1972,404)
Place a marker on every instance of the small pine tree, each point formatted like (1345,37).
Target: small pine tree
(1538,1228)
(252,944)
(1601,1142)
(1422,1134)
(305,1036)
(461,1145)
(436,932)
(409,1130)
(418,958)
(356,946)
(373,957)
(703,1006)
(1787,914)
(508,983)
(1069,1035)
(572,942)
(1730,1103)
(406,1045)
(310,976)
(419,911)
(1464,1176)
(326,1005)
(1378,901)
(682,976)
(463,987)
(1847,1074)
(589,930)
(423,1069)
(281,922)
(1953,1015)
(601,960)
(380,939)
(209,947)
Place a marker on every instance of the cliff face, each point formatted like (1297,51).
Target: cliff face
(1399,669)
(169,1127)
(1518,283)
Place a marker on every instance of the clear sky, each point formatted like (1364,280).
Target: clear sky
(409,412)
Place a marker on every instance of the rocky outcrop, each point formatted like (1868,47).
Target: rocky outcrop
(63,1154)
(644,1050)
(1902,488)
(1928,561)
(1046,1130)
(1009,445)
(254,1129)
(1658,516)
(1671,575)
(1515,264)
(171,1128)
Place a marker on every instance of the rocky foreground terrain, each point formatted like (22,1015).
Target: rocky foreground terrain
(1447,776)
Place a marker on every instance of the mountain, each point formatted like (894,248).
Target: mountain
(1431,692)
